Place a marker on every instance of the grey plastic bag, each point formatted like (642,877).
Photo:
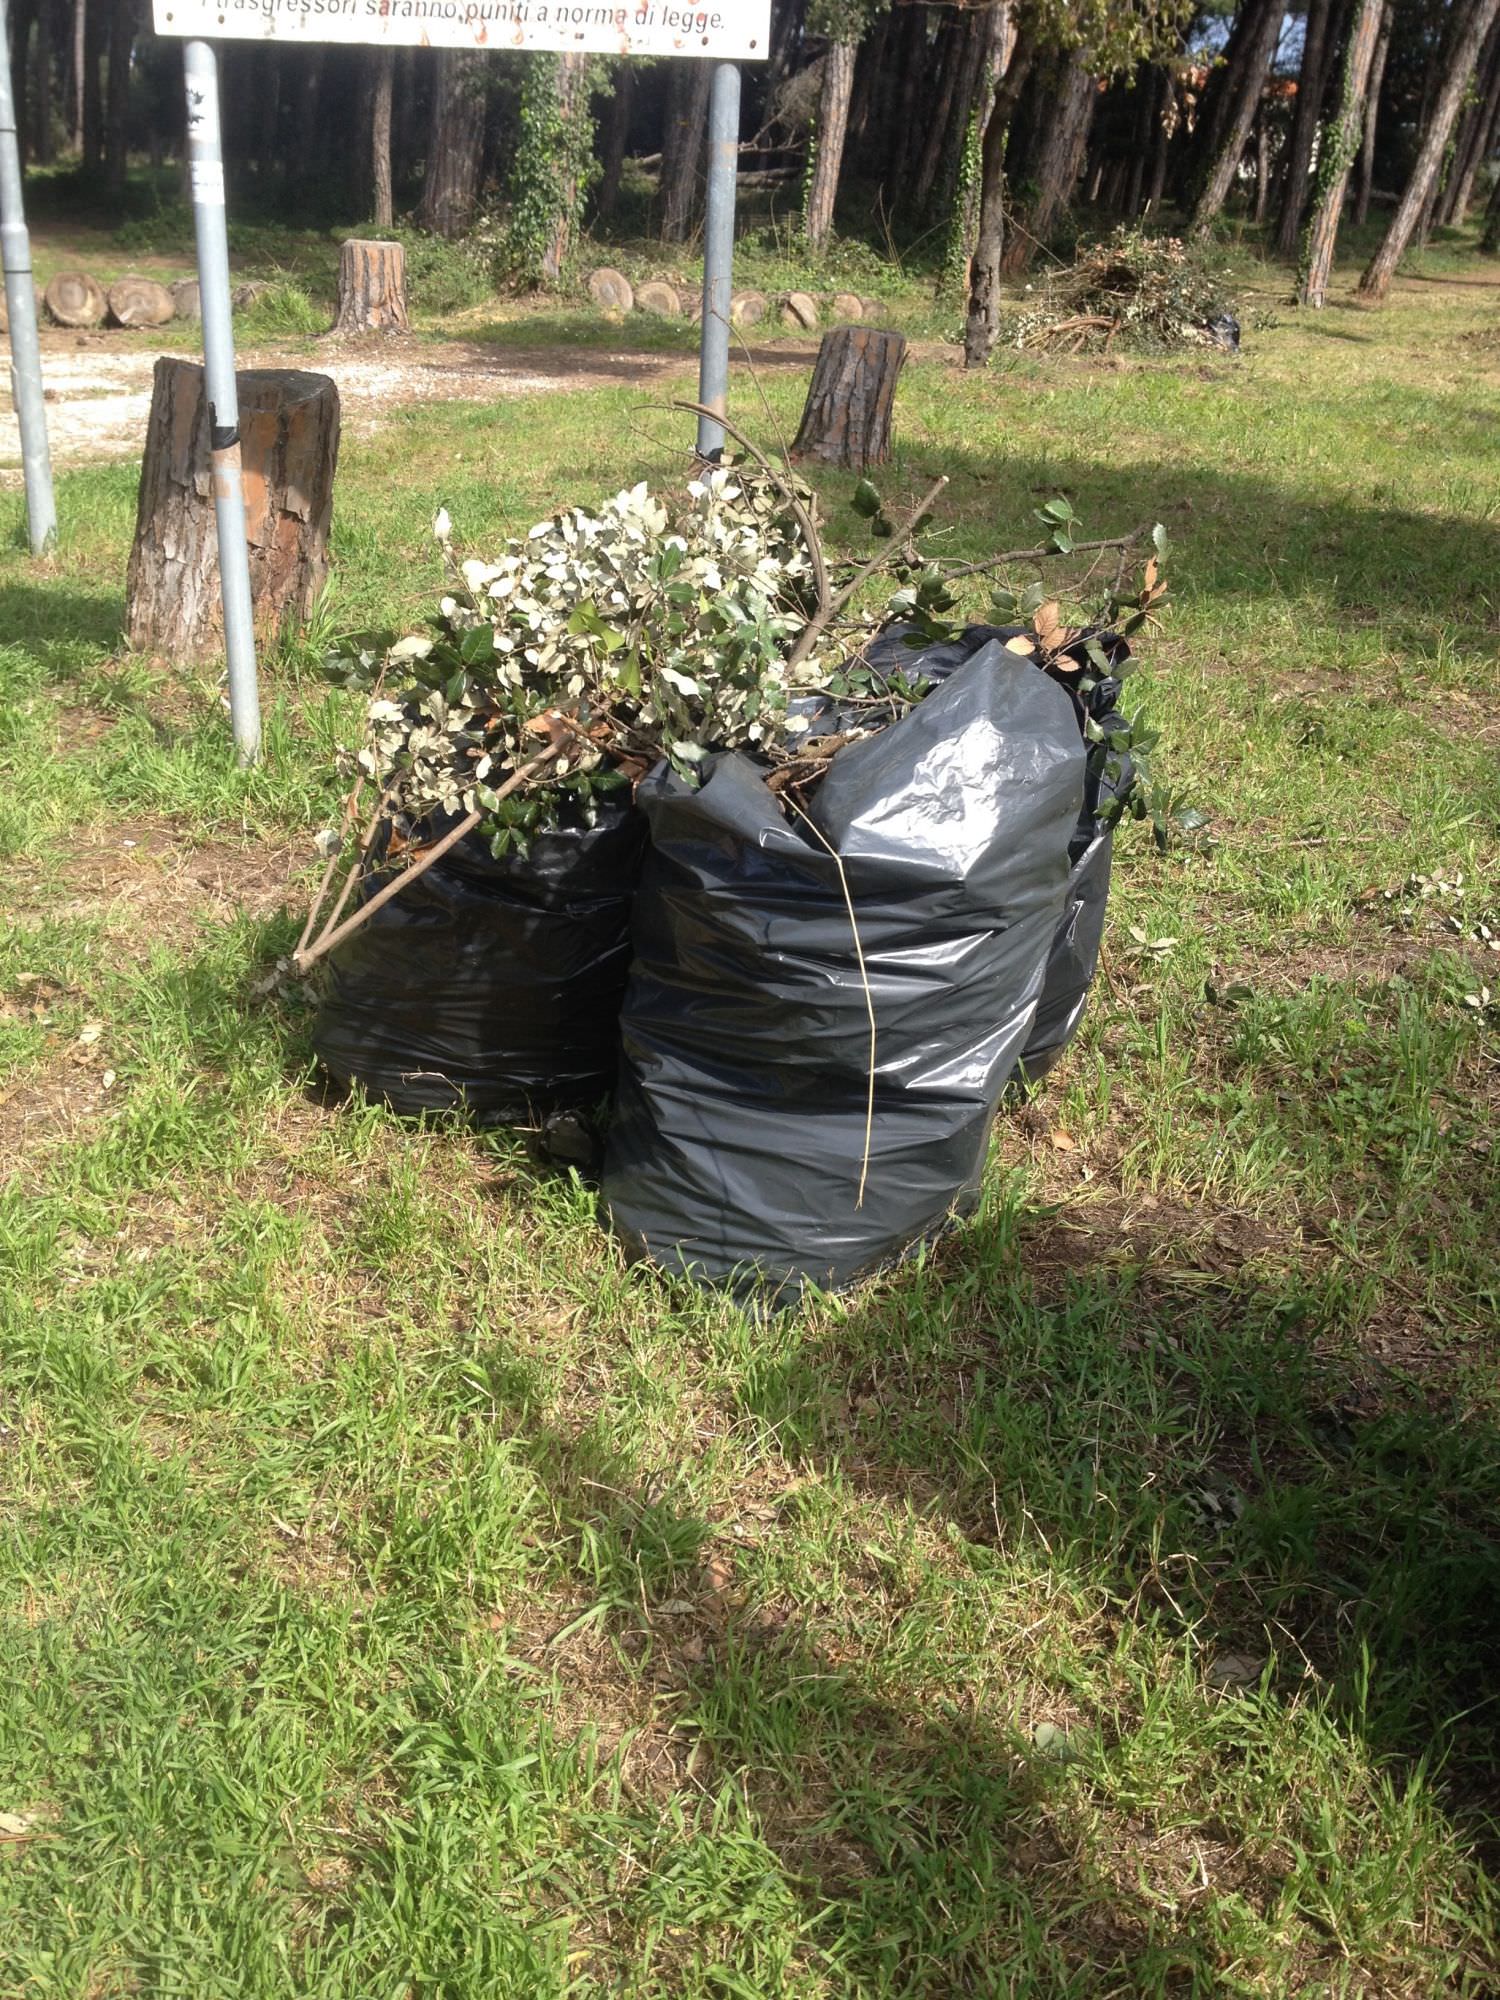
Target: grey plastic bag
(737,1146)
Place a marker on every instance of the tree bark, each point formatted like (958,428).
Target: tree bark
(1475,137)
(983,320)
(846,420)
(947,69)
(76,62)
(828,141)
(1490,241)
(1340,144)
(1069,116)
(372,288)
(572,104)
(450,187)
(1262,164)
(1372,113)
(683,145)
(616,138)
(382,202)
(1222,92)
(94,39)
(307,128)
(1259,48)
(1166,122)
(122,26)
(42,150)
(1310,81)
(1376,282)
(289,439)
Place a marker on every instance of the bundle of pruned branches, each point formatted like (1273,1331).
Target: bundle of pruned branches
(1148,294)
(672,626)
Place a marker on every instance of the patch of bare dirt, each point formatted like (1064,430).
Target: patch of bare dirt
(99,398)
(147,883)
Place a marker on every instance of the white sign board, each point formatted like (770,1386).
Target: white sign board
(728,30)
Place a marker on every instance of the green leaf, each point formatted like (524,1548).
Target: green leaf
(1159,538)
(866,500)
(477,645)
(883,527)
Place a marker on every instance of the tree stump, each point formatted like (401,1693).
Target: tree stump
(140,302)
(846,419)
(662,299)
(73,299)
(289,441)
(611,290)
(372,288)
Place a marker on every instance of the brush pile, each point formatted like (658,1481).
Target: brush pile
(1137,293)
(658,813)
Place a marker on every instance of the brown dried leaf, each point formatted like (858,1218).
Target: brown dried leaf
(1020,644)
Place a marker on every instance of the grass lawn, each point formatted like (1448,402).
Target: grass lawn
(398,1597)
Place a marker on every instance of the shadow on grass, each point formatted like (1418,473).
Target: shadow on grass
(64,628)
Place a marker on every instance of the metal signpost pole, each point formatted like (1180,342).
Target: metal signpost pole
(20,304)
(206,173)
(718,253)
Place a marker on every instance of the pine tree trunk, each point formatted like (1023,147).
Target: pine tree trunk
(308,131)
(372,288)
(983,321)
(683,146)
(1262,165)
(616,138)
(1225,83)
(122,25)
(846,420)
(828,138)
(1259,48)
(1161,156)
(952,50)
(94,38)
(77,59)
(42,100)
(1340,144)
(1376,282)
(1069,114)
(450,187)
(1490,242)
(1304,127)
(382,201)
(289,439)
(1372,113)
(1475,137)
(572,105)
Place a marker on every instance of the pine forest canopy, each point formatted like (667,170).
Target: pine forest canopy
(975,137)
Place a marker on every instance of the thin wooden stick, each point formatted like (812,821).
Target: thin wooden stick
(366,842)
(333,861)
(815,627)
(799,512)
(864,980)
(950,574)
(302,959)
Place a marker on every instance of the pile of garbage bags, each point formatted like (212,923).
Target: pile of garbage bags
(806,1017)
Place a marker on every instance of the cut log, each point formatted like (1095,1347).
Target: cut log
(186,298)
(140,302)
(372,288)
(799,310)
(249,294)
(748,308)
(848,305)
(610,289)
(847,417)
(663,300)
(289,441)
(73,299)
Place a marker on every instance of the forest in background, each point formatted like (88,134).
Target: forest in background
(971,138)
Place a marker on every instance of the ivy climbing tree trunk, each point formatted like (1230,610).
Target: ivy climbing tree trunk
(1340,144)
(382,204)
(1376,282)
(1490,241)
(450,188)
(828,140)
(683,147)
(1310,80)
(983,323)
(1258,49)
(1069,116)
(1372,114)
(569,161)
(1475,136)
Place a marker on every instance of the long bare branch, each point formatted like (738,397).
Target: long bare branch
(815,627)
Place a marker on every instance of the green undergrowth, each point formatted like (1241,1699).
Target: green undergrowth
(398,1595)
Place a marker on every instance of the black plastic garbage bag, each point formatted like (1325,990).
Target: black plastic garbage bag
(491,986)
(1073,957)
(739,1131)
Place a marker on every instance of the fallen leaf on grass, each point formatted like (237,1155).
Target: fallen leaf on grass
(89,1033)
(28,1825)
(1227,1670)
(1064,1141)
